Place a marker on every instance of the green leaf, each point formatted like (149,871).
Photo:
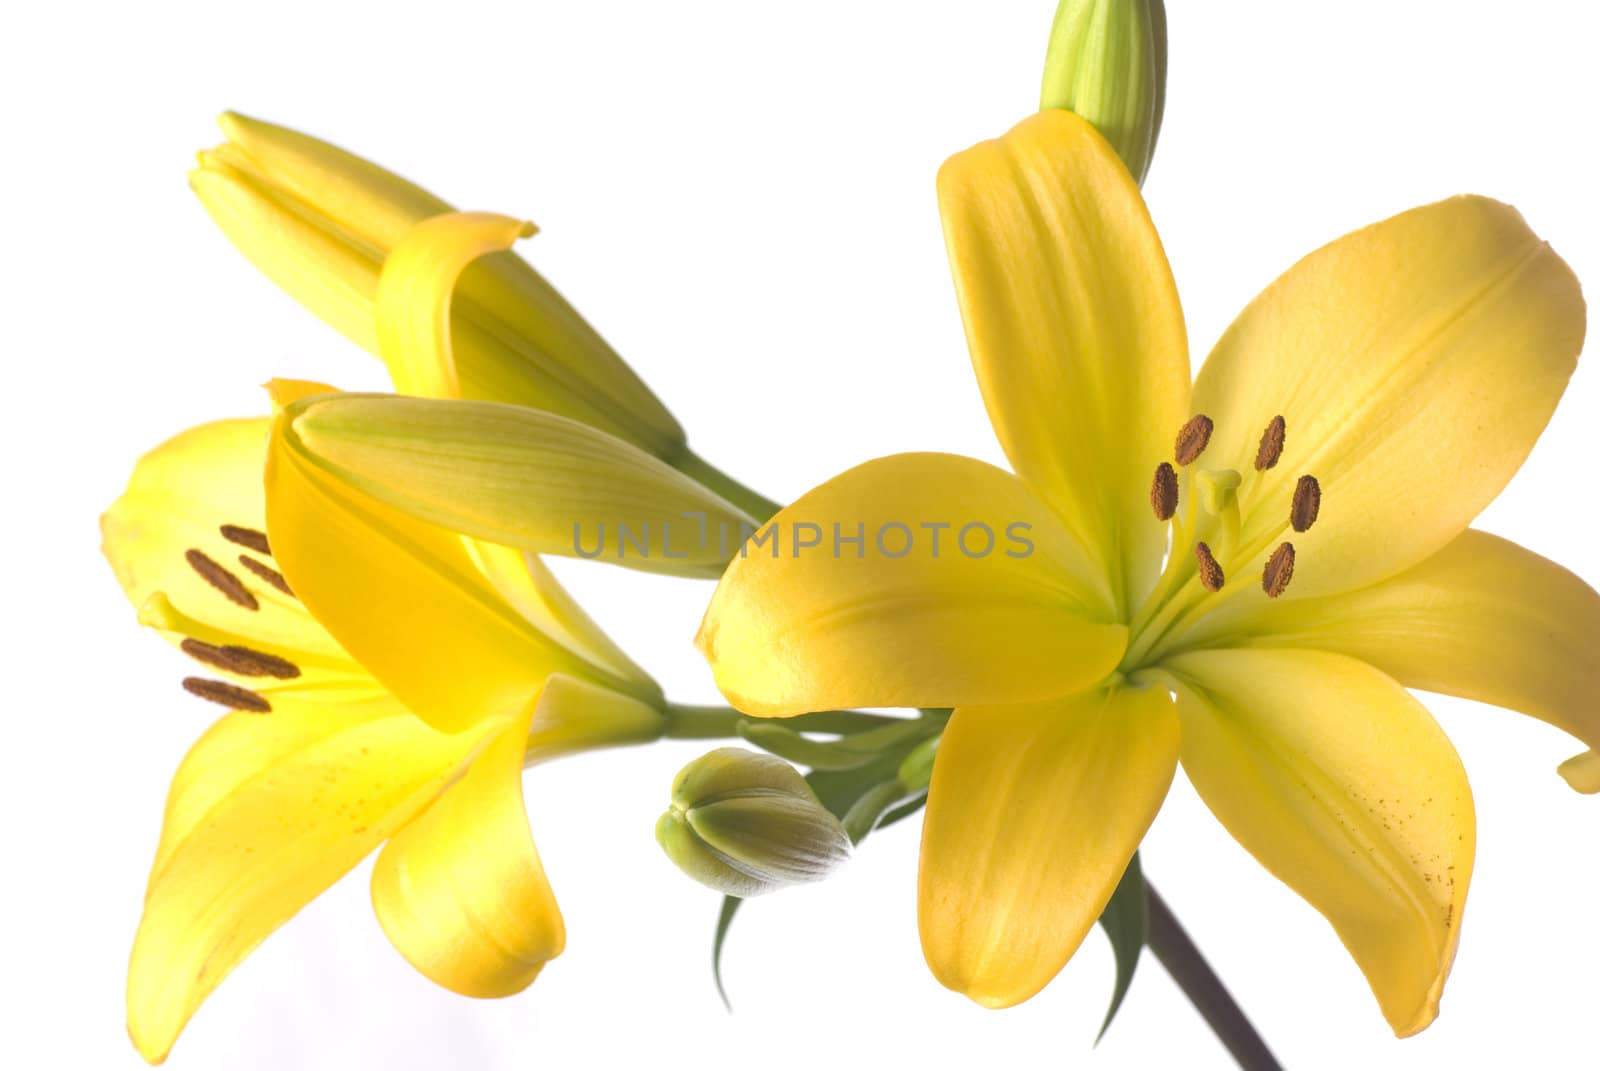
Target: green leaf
(785,743)
(840,789)
(1126,921)
(730,905)
(862,817)
(905,810)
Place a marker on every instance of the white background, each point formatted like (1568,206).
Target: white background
(740,195)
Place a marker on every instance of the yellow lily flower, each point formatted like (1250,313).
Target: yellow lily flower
(486,666)
(1315,483)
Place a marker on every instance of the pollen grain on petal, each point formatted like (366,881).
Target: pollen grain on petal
(1164,492)
(244,661)
(246,537)
(1279,571)
(219,578)
(266,573)
(229,695)
(1271,448)
(1192,439)
(1307,503)
(1211,577)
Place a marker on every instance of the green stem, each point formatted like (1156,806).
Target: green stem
(701,723)
(690,722)
(697,468)
(1183,961)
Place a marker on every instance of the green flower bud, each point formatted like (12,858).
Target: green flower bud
(744,824)
(1107,62)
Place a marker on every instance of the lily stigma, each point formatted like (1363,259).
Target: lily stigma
(1244,574)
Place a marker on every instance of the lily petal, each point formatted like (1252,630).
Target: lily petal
(415,292)
(802,621)
(1483,619)
(1344,787)
(461,891)
(1033,814)
(525,582)
(405,598)
(521,477)
(1075,330)
(292,244)
(1582,772)
(450,287)
(184,498)
(265,813)
(1414,363)
(358,197)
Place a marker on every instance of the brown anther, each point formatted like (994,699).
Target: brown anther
(1164,492)
(246,537)
(1307,502)
(267,573)
(229,695)
(1192,439)
(241,660)
(221,579)
(1271,448)
(1210,572)
(1279,571)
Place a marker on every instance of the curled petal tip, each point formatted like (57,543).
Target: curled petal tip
(1582,772)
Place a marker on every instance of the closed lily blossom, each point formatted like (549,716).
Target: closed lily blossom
(1243,574)
(520,477)
(323,224)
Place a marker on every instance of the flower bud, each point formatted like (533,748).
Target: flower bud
(1107,62)
(321,222)
(518,477)
(744,823)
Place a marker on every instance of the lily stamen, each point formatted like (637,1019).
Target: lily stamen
(1193,438)
(228,695)
(1279,571)
(1271,447)
(244,661)
(266,573)
(1164,492)
(246,537)
(219,578)
(1307,503)
(1211,577)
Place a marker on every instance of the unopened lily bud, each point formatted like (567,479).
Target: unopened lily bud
(518,477)
(321,222)
(745,823)
(1107,62)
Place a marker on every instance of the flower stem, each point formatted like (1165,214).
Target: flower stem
(697,468)
(690,722)
(701,723)
(1183,961)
